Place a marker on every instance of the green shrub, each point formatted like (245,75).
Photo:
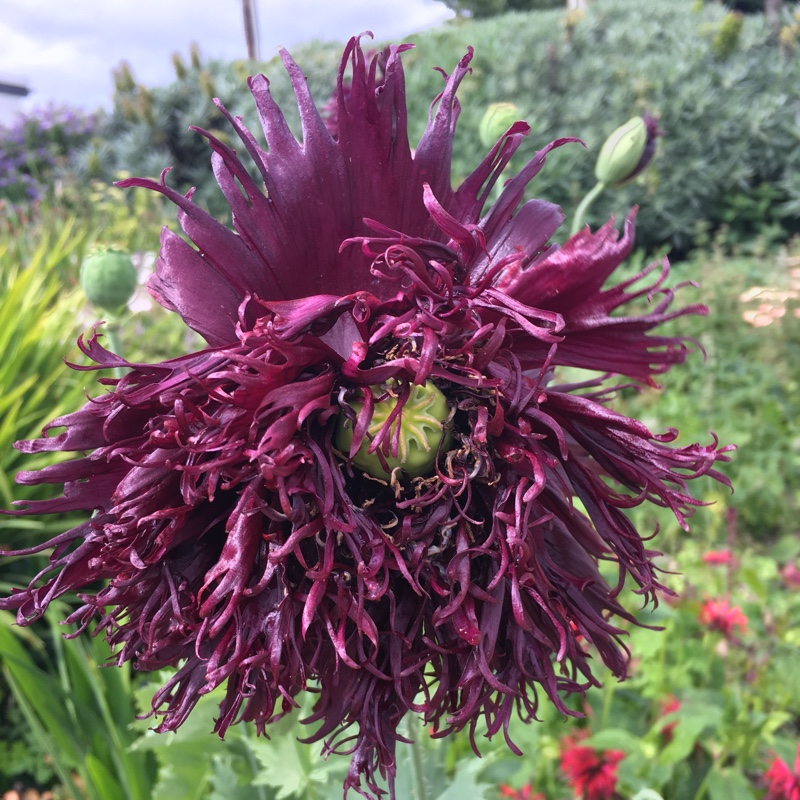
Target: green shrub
(148,129)
(490,8)
(732,124)
(38,328)
(746,388)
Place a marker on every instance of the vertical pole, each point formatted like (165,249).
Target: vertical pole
(250,34)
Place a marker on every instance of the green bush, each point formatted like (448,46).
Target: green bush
(731,122)
(491,8)
(745,386)
(148,129)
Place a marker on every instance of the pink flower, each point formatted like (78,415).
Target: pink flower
(784,784)
(791,575)
(718,557)
(719,615)
(592,776)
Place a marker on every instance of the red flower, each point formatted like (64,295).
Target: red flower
(718,557)
(525,793)
(592,776)
(783,783)
(719,615)
(233,531)
(669,706)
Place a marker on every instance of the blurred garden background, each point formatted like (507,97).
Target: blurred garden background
(712,708)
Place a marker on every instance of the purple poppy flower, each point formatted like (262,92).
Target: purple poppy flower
(238,537)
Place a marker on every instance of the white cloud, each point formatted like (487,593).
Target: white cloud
(67,50)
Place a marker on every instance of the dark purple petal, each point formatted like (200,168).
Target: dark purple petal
(569,280)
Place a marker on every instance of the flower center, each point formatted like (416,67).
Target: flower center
(421,431)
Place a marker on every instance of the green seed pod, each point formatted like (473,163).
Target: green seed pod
(422,430)
(108,278)
(621,153)
(497,119)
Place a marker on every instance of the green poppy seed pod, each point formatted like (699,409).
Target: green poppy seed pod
(497,119)
(621,153)
(422,431)
(108,278)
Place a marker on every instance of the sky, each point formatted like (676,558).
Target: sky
(65,50)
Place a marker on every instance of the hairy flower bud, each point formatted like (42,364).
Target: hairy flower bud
(627,151)
(422,430)
(497,119)
(108,278)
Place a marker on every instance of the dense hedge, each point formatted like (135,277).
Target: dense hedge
(728,101)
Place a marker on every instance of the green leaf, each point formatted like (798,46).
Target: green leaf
(42,695)
(185,774)
(692,722)
(232,779)
(729,785)
(614,739)
(285,765)
(186,757)
(103,782)
(465,783)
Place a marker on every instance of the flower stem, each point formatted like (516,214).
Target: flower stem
(583,208)
(608,701)
(418,778)
(113,328)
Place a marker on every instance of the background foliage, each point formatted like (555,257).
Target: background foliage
(724,89)
(490,8)
(707,710)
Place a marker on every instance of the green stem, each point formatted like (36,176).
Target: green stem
(583,208)
(113,328)
(413,733)
(608,701)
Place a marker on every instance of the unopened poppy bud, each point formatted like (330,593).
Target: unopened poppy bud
(497,119)
(422,430)
(108,278)
(627,151)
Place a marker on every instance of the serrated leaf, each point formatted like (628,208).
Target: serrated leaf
(284,765)
(185,758)
(232,779)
